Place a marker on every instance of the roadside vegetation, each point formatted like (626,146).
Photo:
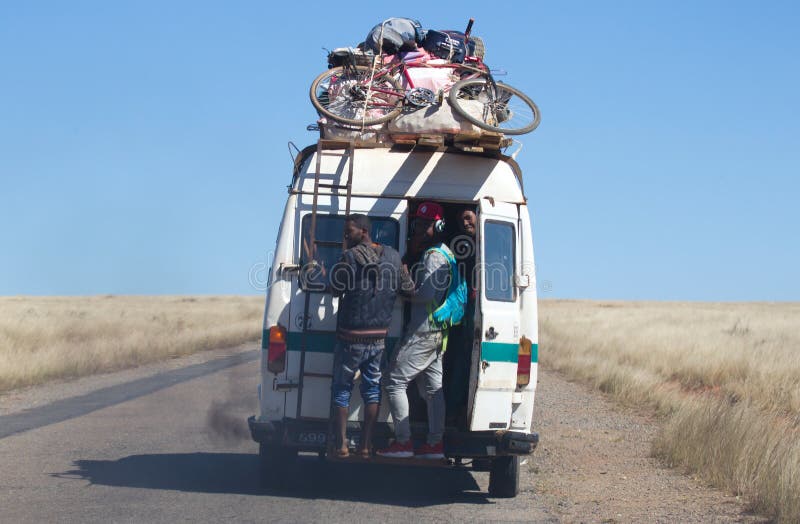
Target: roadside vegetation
(46,338)
(724,377)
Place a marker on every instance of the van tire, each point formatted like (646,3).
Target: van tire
(274,463)
(504,477)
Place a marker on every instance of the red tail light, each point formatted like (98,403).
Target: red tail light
(276,354)
(524,362)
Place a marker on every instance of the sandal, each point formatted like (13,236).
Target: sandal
(342,453)
(365,454)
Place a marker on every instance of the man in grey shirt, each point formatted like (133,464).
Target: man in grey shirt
(420,349)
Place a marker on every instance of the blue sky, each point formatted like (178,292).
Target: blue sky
(143,144)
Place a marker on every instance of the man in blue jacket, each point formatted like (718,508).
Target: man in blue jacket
(367,279)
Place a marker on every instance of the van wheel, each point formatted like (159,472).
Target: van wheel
(504,477)
(275,463)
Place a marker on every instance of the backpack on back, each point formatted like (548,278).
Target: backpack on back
(451,311)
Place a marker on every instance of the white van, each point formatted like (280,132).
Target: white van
(334,178)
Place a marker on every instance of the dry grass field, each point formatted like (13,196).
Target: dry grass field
(46,338)
(725,378)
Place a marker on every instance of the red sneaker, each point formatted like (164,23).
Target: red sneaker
(397,450)
(426,451)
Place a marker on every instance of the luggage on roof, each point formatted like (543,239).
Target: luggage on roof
(404,81)
(452,45)
(395,35)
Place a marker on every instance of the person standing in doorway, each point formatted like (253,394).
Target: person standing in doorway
(459,347)
(419,352)
(367,279)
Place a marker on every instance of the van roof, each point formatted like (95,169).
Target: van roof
(435,174)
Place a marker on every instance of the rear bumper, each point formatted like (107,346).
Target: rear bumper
(311,435)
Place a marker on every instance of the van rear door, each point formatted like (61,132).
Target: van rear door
(495,359)
(310,369)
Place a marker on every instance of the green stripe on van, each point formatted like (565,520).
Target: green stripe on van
(325,343)
(317,342)
(505,352)
(499,351)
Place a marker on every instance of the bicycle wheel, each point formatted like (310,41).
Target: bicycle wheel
(344,94)
(504,110)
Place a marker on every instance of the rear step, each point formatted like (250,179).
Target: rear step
(377,459)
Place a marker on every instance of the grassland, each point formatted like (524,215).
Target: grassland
(724,377)
(46,338)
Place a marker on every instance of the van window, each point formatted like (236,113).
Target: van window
(329,233)
(498,261)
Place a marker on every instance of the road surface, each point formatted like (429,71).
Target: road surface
(169,443)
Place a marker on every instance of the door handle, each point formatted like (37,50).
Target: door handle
(491,334)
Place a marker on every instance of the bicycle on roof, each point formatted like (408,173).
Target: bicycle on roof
(358,93)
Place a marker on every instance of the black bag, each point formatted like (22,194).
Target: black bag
(450,45)
(399,34)
(350,56)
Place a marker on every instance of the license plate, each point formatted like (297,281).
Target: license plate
(312,437)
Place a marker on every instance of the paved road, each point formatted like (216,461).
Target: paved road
(174,447)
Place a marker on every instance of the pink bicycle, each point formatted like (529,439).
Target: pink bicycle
(363,95)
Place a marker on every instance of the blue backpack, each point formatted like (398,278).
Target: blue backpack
(451,311)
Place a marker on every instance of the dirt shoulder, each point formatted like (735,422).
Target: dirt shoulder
(593,464)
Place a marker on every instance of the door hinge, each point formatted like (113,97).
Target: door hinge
(286,267)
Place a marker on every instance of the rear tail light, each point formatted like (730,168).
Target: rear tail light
(276,352)
(524,362)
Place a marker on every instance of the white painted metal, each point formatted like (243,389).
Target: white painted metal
(436,175)
(276,312)
(522,415)
(500,324)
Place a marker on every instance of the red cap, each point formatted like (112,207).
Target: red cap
(430,210)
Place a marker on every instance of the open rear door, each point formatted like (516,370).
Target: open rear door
(495,359)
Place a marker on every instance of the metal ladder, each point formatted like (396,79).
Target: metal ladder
(323,146)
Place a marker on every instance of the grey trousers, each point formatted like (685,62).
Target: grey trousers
(417,354)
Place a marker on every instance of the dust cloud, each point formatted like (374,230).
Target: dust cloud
(226,420)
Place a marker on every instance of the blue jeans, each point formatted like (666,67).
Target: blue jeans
(349,357)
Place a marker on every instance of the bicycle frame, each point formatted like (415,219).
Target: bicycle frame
(398,66)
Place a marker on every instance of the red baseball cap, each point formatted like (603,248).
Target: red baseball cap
(430,211)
